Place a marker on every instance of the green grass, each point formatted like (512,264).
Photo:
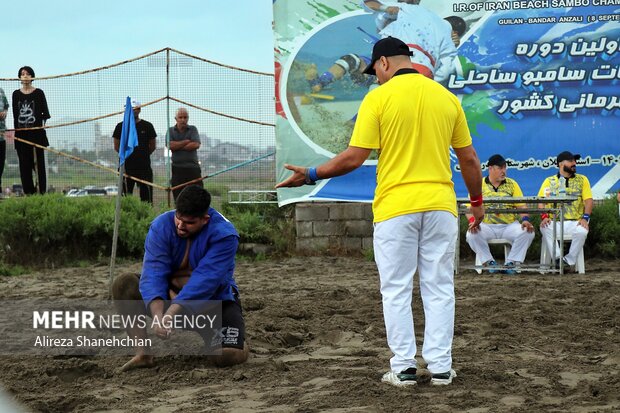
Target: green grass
(7,270)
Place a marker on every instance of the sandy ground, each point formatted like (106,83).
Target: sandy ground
(525,343)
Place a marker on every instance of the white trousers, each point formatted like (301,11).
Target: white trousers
(577,233)
(424,242)
(518,237)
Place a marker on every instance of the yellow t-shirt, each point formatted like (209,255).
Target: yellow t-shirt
(507,188)
(411,121)
(578,186)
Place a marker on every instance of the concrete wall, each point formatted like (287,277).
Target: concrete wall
(333,225)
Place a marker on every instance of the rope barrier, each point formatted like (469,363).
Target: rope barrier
(85,161)
(77,122)
(97,69)
(84,72)
(222,64)
(221,114)
(239,165)
(126,175)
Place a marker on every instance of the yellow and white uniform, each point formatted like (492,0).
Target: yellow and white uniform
(501,226)
(578,186)
(412,121)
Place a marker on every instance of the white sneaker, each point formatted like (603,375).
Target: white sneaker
(404,378)
(442,379)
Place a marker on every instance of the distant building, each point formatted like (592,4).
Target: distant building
(226,151)
(81,136)
(102,142)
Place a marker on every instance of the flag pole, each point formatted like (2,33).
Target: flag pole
(117,221)
(128,141)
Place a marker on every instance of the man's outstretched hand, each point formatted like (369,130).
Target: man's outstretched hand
(297,179)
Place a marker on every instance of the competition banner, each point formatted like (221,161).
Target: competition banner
(535,78)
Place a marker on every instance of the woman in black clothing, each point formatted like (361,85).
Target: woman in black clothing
(4,106)
(30,111)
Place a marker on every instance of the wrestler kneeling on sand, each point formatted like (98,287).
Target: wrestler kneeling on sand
(189,254)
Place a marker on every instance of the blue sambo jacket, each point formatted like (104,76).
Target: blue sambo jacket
(211,256)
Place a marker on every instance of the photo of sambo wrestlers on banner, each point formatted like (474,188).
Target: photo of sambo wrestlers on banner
(521,69)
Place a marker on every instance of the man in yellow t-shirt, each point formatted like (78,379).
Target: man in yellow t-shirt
(576,215)
(412,121)
(506,226)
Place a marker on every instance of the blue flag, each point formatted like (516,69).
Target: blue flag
(129,135)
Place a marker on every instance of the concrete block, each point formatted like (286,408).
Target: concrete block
(311,212)
(367,211)
(313,244)
(346,211)
(304,229)
(367,243)
(350,243)
(328,228)
(360,228)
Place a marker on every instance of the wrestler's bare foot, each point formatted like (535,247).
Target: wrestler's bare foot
(139,361)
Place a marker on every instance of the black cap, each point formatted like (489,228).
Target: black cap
(497,160)
(390,46)
(567,156)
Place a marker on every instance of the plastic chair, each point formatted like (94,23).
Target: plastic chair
(545,255)
(495,241)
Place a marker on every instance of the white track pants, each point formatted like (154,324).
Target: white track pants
(518,237)
(426,242)
(577,233)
